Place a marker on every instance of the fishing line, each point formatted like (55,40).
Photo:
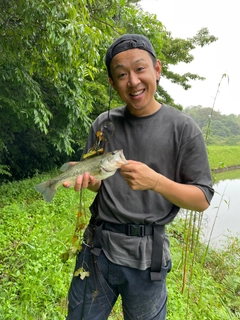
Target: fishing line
(109,102)
(103,135)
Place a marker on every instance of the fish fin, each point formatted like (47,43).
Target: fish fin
(67,165)
(46,190)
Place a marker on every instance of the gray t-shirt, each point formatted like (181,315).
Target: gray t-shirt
(170,143)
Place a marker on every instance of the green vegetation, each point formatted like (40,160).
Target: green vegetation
(33,280)
(203,284)
(223,157)
(220,129)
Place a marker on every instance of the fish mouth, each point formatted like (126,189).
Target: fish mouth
(114,164)
(122,159)
(106,170)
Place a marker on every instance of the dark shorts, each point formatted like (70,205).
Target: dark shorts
(94,297)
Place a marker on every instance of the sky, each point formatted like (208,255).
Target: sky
(184,18)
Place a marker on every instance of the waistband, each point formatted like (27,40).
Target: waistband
(135,230)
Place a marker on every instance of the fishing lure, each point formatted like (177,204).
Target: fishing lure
(103,136)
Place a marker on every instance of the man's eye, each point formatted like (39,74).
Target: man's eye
(121,75)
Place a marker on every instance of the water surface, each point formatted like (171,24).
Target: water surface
(225,208)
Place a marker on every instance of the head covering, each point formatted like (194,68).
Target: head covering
(127,42)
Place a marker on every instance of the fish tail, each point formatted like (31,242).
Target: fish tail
(46,189)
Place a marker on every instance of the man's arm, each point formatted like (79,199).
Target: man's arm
(182,195)
(141,177)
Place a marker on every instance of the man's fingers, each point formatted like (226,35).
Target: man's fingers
(66,184)
(82,182)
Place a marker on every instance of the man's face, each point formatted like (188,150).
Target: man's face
(134,78)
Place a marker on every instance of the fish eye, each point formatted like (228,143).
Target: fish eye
(114,152)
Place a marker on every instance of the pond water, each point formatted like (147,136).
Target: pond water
(224,211)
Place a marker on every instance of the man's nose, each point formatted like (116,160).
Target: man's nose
(133,79)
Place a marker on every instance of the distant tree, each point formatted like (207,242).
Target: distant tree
(202,115)
(219,129)
(224,129)
(231,123)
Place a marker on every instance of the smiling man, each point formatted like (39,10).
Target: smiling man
(125,248)
(134,78)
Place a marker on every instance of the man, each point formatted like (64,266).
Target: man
(126,250)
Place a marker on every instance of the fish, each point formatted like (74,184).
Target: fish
(101,167)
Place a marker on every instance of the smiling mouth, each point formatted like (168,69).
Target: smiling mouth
(137,93)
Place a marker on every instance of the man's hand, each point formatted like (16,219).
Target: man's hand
(139,176)
(85,181)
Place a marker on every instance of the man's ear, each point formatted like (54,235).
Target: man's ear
(158,69)
(110,80)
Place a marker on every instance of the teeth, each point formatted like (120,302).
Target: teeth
(137,93)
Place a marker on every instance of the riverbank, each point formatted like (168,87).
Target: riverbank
(219,170)
(223,158)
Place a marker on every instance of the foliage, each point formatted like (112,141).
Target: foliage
(33,279)
(52,76)
(34,282)
(223,129)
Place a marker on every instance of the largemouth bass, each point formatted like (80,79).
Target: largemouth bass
(101,167)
